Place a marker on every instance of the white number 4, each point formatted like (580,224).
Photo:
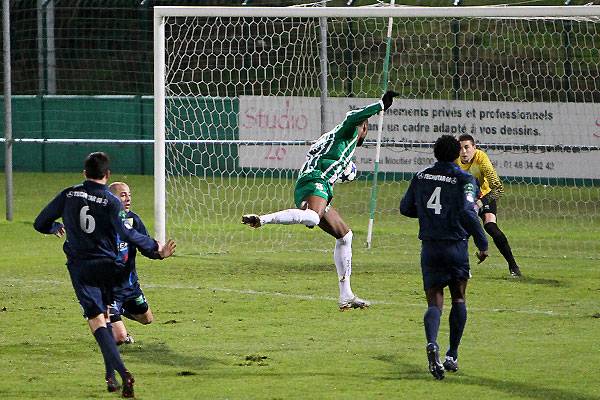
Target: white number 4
(86,222)
(434,200)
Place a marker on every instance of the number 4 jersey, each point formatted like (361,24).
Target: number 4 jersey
(93,220)
(442,197)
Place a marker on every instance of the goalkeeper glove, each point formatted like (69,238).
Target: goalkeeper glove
(388,98)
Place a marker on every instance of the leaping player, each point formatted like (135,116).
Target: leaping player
(325,161)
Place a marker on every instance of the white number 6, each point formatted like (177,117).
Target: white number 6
(434,200)
(86,222)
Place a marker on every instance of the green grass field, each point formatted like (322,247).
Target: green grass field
(247,325)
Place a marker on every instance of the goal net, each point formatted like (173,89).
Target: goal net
(240,93)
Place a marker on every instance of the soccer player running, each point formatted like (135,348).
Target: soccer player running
(325,161)
(478,164)
(128,297)
(443,197)
(92,218)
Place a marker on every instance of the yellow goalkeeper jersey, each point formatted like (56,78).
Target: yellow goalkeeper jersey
(482,169)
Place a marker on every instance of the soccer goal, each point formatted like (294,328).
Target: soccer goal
(241,92)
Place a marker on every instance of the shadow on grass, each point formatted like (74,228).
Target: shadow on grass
(404,370)
(532,281)
(161,353)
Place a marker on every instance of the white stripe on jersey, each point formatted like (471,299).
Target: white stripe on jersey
(312,160)
(337,162)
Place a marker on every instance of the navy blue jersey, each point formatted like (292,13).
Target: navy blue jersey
(442,197)
(129,250)
(94,220)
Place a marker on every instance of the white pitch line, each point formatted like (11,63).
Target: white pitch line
(326,298)
(252,292)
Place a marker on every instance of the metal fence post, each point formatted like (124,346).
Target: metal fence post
(8,164)
(455,27)
(567,26)
(324,70)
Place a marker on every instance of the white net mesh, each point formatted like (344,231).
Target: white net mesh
(243,99)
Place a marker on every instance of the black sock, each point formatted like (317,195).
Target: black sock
(501,242)
(110,371)
(457,319)
(431,319)
(112,358)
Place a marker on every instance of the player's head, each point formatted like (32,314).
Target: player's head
(446,148)
(363,129)
(97,166)
(467,148)
(121,190)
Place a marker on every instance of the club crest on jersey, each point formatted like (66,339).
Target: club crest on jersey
(128,222)
(469,189)
(319,186)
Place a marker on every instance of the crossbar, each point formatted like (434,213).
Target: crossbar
(383,12)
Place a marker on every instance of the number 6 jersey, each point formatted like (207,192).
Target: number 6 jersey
(94,222)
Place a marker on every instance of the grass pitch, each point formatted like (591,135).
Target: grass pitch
(251,325)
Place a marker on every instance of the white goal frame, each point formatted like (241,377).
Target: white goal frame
(160,13)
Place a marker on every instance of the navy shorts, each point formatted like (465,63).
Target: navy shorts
(443,262)
(130,298)
(93,281)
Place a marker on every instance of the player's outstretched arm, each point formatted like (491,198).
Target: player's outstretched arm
(167,249)
(355,117)
(128,233)
(388,98)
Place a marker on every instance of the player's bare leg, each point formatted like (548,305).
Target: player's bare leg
(118,328)
(145,318)
(119,332)
(333,224)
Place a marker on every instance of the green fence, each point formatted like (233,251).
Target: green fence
(81,117)
(92,117)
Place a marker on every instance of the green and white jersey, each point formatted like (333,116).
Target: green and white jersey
(330,154)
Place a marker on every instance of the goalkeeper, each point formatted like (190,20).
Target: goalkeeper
(476,162)
(325,161)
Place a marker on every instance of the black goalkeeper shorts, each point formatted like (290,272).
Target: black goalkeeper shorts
(489,206)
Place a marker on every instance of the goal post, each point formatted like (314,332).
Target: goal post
(239,95)
(160,213)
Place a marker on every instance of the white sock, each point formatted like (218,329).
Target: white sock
(342,255)
(306,217)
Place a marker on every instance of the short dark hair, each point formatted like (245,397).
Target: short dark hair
(96,165)
(465,137)
(446,148)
